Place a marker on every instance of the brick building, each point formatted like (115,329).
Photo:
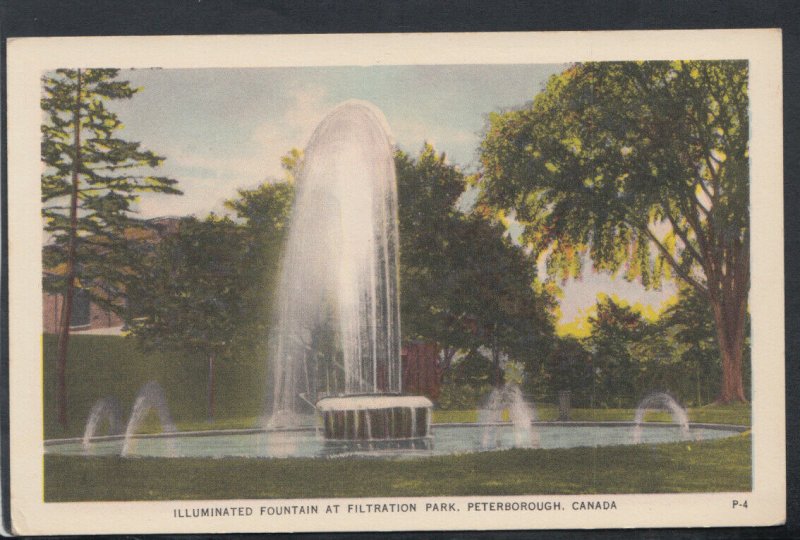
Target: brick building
(86,315)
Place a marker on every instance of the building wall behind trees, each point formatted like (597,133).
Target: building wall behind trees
(98,317)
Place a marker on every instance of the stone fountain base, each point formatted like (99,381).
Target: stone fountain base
(375,417)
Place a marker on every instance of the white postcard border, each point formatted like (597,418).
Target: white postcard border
(29,57)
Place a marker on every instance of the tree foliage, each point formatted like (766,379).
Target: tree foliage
(208,287)
(643,166)
(428,189)
(615,329)
(192,296)
(567,366)
(265,212)
(464,283)
(690,325)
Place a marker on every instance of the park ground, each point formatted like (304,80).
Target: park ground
(104,365)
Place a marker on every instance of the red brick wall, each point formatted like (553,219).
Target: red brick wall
(98,317)
(421,372)
(51,312)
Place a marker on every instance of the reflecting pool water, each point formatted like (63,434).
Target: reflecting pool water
(445,439)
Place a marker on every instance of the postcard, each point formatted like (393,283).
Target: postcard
(389,282)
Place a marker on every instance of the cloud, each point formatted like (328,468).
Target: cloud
(208,179)
(219,167)
(291,129)
(288,127)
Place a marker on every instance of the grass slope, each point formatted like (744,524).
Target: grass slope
(712,466)
(99,366)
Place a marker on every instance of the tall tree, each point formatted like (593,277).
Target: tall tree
(644,166)
(691,325)
(468,285)
(265,212)
(208,288)
(615,327)
(429,224)
(568,366)
(90,180)
(496,291)
(192,295)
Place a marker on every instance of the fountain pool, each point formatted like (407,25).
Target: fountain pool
(445,439)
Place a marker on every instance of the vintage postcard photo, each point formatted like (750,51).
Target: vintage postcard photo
(396,282)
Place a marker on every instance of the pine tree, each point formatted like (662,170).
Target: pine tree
(90,180)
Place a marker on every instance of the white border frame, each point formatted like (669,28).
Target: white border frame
(29,57)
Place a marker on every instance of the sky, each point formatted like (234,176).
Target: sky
(226,129)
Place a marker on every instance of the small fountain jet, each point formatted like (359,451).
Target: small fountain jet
(659,401)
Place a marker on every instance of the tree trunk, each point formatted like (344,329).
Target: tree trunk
(211,388)
(699,402)
(449,353)
(498,374)
(729,316)
(66,313)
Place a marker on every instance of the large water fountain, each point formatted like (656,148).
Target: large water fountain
(336,348)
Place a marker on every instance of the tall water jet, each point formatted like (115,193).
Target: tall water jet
(521,414)
(150,397)
(664,402)
(338,315)
(106,408)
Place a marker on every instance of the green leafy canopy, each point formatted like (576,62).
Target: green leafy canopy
(644,165)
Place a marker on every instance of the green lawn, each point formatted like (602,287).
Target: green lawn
(715,414)
(711,466)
